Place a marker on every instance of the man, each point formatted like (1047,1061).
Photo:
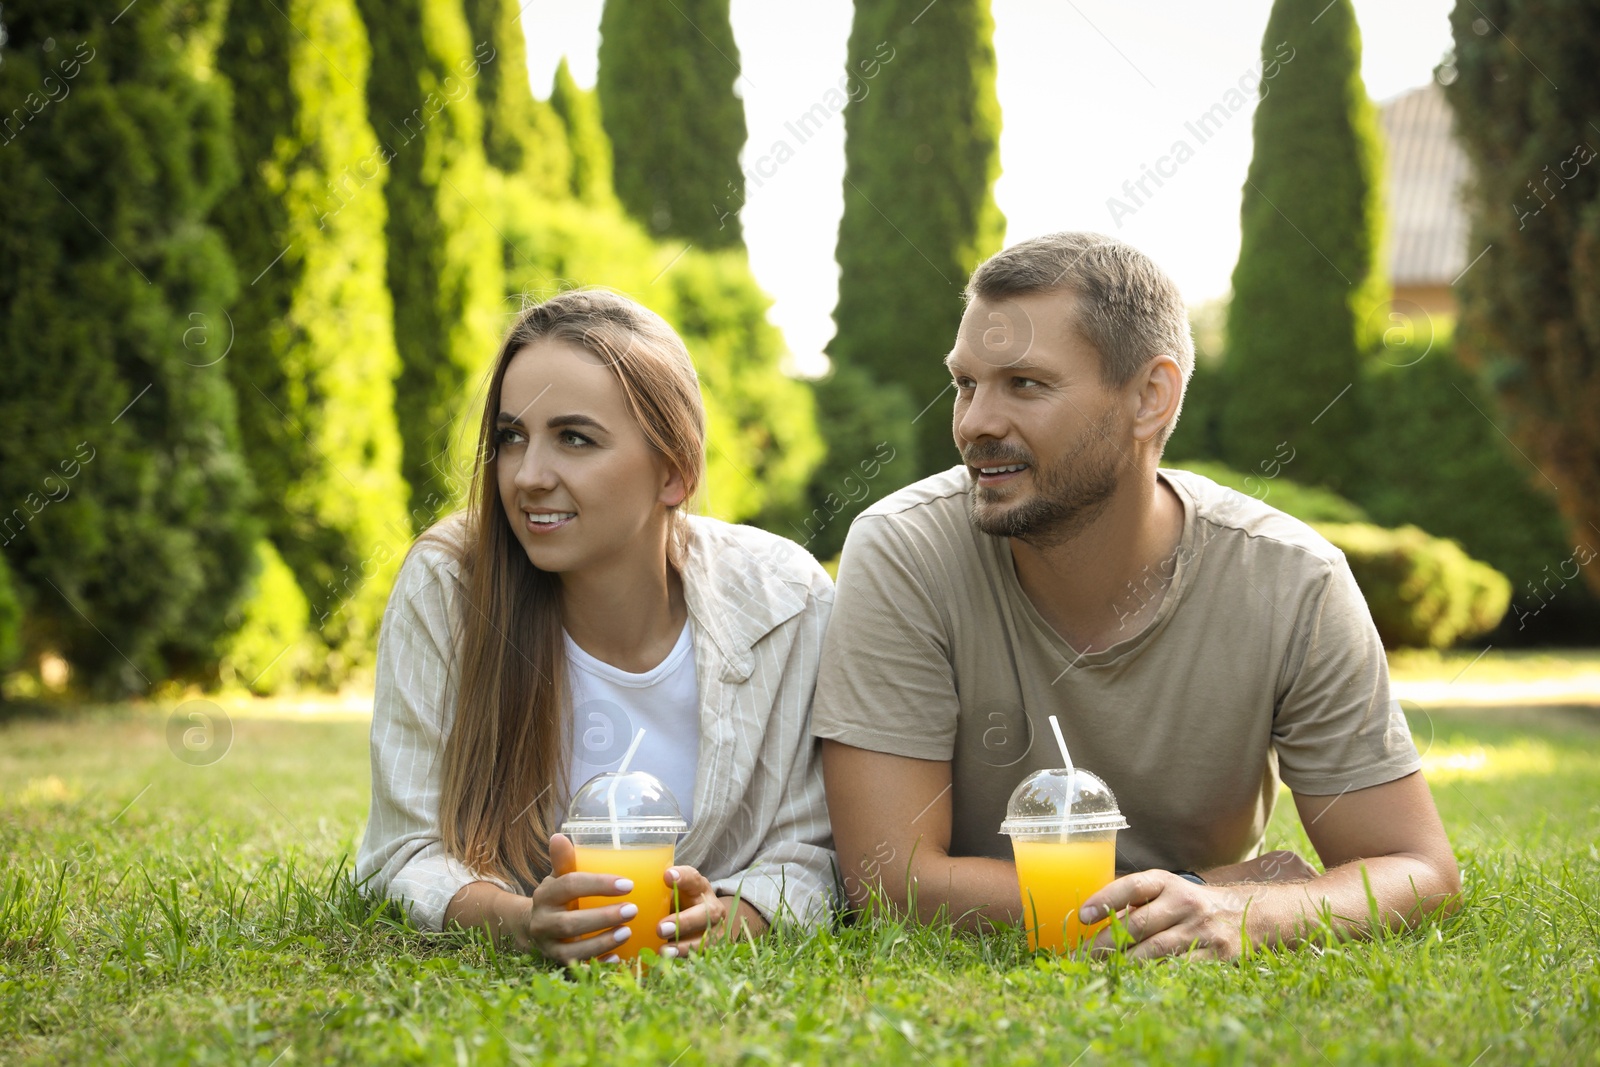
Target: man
(1195,643)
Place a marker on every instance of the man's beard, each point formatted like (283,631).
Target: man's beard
(1068,495)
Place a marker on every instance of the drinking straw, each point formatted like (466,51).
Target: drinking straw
(1055,724)
(1061,742)
(622,768)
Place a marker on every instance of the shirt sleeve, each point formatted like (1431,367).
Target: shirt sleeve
(791,877)
(886,681)
(1336,728)
(402,855)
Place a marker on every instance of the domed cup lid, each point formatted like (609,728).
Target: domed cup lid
(624,801)
(1072,801)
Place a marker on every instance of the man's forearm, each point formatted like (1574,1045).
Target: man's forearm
(970,891)
(1404,889)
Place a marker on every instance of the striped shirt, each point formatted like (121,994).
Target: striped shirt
(760,604)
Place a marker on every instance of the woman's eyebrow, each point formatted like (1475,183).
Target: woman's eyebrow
(556,421)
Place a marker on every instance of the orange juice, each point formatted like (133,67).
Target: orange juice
(646,866)
(1056,878)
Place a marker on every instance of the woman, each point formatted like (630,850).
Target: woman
(572,602)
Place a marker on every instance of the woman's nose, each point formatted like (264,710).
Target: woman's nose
(535,472)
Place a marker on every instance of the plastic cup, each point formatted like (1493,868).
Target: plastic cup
(1063,826)
(627,824)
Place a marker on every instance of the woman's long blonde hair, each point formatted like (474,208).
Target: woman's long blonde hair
(505,760)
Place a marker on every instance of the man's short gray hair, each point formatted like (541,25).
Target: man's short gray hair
(1126,307)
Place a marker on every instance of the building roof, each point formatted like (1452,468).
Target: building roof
(1426,172)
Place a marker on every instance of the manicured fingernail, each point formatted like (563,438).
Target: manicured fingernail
(672,875)
(624,885)
(1090,913)
(669,929)
(613,958)
(622,934)
(630,910)
(670,953)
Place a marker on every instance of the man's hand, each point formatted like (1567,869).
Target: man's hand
(1169,916)
(1384,847)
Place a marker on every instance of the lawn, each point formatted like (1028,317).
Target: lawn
(160,911)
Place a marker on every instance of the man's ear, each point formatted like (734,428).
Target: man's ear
(674,489)
(1160,390)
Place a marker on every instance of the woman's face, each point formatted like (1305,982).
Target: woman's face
(579,482)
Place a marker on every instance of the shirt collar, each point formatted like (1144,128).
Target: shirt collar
(739,584)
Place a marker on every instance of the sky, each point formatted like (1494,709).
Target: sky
(1091,92)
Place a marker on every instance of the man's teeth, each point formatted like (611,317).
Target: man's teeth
(1003,470)
(560,516)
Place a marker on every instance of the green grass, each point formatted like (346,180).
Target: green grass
(152,911)
(1468,666)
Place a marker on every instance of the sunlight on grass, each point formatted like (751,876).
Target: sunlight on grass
(1462,760)
(1496,666)
(48,791)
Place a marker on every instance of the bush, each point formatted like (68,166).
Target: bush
(273,645)
(1424,592)
(762,428)
(1307,503)
(1198,434)
(1431,457)
(871,447)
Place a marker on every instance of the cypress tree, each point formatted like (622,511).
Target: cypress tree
(128,529)
(1309,276)
(921,159)
(10,618)
(579,111)
(521,135)
(666,84)
(447,292)
(314,358)
(1530,316)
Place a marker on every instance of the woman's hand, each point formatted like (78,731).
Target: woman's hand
(703,916)
(550,921)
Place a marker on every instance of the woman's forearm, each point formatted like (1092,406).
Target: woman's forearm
(485,905)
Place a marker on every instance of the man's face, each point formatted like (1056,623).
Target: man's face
(1045,441)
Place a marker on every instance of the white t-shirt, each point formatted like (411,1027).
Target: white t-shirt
(611,705)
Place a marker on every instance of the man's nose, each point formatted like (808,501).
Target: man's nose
(979,416)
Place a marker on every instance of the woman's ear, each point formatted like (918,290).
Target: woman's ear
(674,490)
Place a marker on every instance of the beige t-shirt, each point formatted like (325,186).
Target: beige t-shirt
(1261,661)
